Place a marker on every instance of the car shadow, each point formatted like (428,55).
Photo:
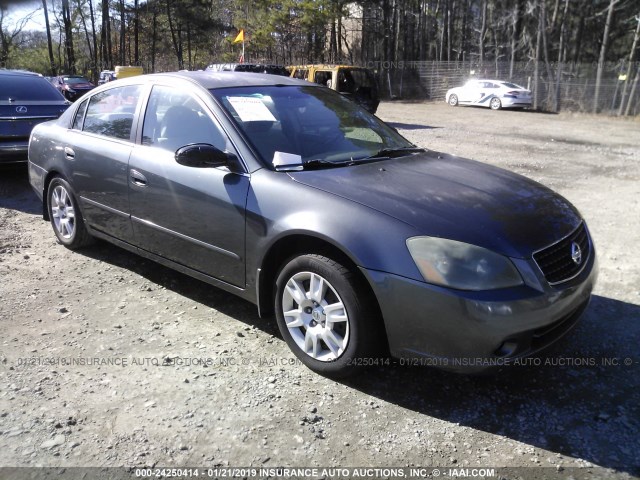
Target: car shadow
(514,110)
(579,400)
(410,126)
(15,191)
(182,284)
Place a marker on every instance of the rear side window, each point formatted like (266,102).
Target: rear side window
(27,87)
(110,113)
(77,121)
(350,80)
(301,74)
(323,78)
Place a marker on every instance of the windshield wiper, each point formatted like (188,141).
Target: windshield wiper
(321,163)
(390,153)
(381,154)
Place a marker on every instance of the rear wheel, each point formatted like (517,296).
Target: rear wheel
(65,215)
(326,315)
(495,103)
(453,100)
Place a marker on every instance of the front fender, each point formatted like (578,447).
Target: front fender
(278,206)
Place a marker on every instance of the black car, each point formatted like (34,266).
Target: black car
(26,99)
(271,69)
(293,197)
(72,86)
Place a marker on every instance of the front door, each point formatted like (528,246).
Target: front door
(193,216)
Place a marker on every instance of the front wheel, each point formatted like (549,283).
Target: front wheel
(495,104)
(326,315)
(453,100)
(65,215)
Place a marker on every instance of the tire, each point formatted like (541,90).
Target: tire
(66,218)
(495,103)
(305,287)
(453,100)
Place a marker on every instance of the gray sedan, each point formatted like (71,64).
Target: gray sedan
(292,197)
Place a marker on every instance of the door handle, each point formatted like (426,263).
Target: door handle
(137,178)
(69,153)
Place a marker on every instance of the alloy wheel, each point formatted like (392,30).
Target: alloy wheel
(62,212)
(315,316)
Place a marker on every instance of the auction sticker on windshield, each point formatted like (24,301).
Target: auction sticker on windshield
(251,109)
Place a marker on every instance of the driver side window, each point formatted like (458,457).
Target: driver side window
(175,119)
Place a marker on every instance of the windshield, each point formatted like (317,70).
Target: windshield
(75,80)
(512,85)
(298,124)
(27,87)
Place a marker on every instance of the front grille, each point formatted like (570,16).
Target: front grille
(556,262)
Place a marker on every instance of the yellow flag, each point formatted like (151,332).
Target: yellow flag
(240,37)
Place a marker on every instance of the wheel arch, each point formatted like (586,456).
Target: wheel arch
(45,198)
(296,244)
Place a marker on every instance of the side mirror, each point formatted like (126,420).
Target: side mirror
(201,155)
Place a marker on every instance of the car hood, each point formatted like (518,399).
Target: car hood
(450,197)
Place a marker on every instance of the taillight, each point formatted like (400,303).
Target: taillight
(513,93)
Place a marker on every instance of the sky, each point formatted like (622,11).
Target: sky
(18,9)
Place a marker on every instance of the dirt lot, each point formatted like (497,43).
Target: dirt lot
(144,398)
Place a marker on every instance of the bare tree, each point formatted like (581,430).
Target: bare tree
(8,36)
(68,37)
(52,64)
(176,35)
(105,36)
(603,53)
(136,29)
(93,34)
(483,31)
(561,48)
(632,56)
(633,91)
(122,33)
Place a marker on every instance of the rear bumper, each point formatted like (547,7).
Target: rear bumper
(475,331)
(509,102)
(14,152)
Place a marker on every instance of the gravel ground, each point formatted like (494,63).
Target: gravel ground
(178,373)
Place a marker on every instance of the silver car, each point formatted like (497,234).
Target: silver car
(495,94)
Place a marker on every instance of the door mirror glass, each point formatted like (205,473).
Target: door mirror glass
(201,155)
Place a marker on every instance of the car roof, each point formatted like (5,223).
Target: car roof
(19,73)
(209,79)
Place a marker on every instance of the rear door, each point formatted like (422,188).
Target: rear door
(192,216)
(99,145)
(487,92)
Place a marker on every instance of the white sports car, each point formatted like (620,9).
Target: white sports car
(495,94)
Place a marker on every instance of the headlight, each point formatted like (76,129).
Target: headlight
(462,266)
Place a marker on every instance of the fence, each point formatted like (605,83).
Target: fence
(565,86)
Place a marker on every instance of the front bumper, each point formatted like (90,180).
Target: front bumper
(76,94)
(472,331)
